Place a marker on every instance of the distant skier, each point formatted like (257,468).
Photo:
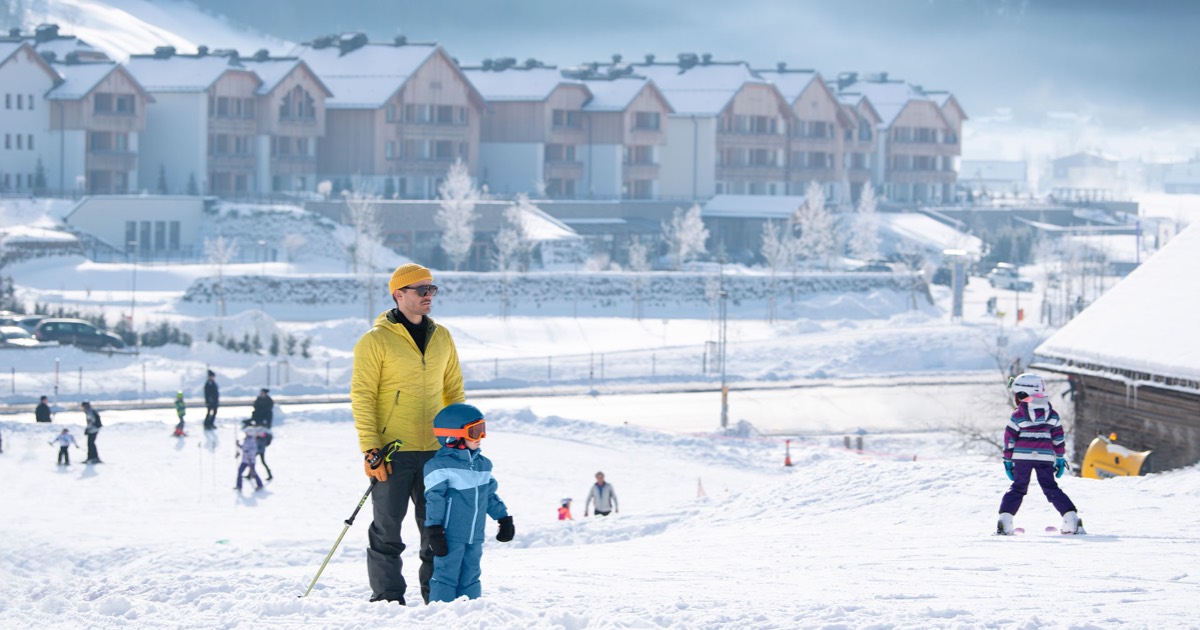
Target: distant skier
(564,510)
(92,430)
(248,449)
(263,409)
(42,413)
(603,495)
(264,438)
(64,441)
(212,397)
(179,410)
(1034,443)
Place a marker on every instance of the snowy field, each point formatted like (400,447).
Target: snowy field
(713,532)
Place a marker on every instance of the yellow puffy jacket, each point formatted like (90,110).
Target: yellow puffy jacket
(396,391)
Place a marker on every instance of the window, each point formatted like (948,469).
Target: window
(130,236)
(144,241)
(646,120)
(173,243)
(125,104)
(102,103)
(222,107)
(20,101)
(444,150)
(391,114)
(7,141)
(8,101)
(301,146)
(445,115)
(390,150)
(566,118)
(29,142)
(639,154)
(18,142)
(560,188)
(30,101)
(560,153)
(160,235)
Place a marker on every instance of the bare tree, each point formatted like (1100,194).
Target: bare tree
(639,263)
(456,213)
(864,242)
(220,251)
(362,209)
(685,235)
(779,250)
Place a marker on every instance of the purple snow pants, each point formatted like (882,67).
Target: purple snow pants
(1045,476)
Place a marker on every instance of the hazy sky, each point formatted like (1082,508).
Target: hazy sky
(1130,63)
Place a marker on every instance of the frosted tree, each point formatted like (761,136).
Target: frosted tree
(293,244)
(456,213)
(362,211)
(685,235)
(864,239)
(220,251)
(779,250)
(818,234)
(513,242)
(639,263)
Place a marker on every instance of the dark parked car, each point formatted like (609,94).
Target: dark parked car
(76,332)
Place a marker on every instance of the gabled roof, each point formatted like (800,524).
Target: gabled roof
(792,83)
(616,95)
(274,70)
(180,73)
(1146,323)
(890,98)
(859,101)
(702,89)
(367,76)
(517,84)
(10,48)
(80,79)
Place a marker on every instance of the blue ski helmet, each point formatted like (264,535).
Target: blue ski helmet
(455,416)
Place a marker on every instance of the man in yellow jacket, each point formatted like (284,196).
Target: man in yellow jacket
(405,371)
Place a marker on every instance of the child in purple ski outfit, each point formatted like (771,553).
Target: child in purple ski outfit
(1034,444)
(249,450)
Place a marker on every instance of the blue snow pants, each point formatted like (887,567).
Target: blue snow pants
(456,573)
(1045,476)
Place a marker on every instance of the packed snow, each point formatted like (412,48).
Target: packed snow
(713,530)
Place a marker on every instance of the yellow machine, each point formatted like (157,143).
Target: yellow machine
(1105,458)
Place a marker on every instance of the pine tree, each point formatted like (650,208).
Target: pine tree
(304,348)
(273,349)
(162,178)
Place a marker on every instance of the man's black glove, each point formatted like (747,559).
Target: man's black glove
(507,531)
(437,540)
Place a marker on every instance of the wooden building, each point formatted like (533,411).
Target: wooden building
(1133,359)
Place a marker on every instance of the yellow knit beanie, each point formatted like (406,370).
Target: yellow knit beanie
(406,275)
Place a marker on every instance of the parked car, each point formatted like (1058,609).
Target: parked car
(16,337)
(28,322)
(76,332)
(876,265)
(1005,276)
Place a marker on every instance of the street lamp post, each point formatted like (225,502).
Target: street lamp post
(723,296)
(262,249)
(133,292)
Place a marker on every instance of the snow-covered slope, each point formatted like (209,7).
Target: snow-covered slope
(125,27)
(712,532)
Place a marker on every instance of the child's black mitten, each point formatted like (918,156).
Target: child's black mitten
(507,531)
(437,540)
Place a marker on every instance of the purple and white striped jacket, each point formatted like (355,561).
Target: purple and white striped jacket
(1034,434)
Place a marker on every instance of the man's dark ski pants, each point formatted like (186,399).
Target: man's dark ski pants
(389,501)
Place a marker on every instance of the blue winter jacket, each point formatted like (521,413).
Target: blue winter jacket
(459,492)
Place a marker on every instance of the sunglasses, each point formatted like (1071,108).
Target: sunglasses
(474,431)
(423,290)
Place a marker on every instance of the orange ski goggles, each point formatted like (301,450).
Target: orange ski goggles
(474,431)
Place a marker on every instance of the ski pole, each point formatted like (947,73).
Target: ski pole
(349,522)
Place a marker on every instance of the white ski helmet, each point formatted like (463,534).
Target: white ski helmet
(1029,384)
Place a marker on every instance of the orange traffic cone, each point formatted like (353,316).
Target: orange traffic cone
(787,453)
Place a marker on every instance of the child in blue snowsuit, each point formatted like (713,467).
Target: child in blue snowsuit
(459,492)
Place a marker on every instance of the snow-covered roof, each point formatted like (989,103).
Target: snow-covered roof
(7,49)
(540,226)
(63,46)
(791,83)
(367,76)
(699,90)
(271,71)
(1146,323)
(517,84)
(752,206)
(31,234)
(889,98)
(80,79)
(613,95)
(936,236)
(179,73)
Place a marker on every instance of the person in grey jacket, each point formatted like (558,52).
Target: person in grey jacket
(92,430)
(603,495)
